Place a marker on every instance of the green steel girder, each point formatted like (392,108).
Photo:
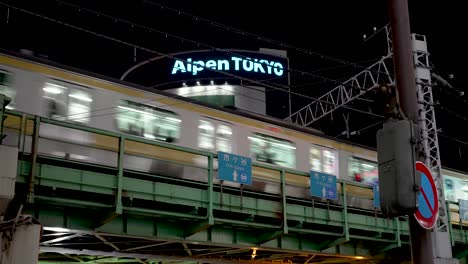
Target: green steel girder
(196,227)
(460,234)
(91,182)
(155,228)
(190,227)
(268,236)
(108,215)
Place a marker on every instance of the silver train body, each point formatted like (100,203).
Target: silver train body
(28,84)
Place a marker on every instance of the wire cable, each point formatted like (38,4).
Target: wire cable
(361,130)
(213,48)
(452,138)
(164,54)
(253,35)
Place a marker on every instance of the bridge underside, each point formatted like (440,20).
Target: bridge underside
(161,220)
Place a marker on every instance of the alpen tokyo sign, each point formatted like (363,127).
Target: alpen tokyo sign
(259,66)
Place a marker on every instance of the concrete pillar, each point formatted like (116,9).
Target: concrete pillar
(23,247)
(8,165)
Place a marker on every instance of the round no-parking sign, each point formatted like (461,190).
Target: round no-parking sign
(428,203)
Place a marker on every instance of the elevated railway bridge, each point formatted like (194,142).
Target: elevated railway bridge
(111,214)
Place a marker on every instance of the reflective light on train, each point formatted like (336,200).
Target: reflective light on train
(224,131)
(173,119)
(81,97)
(205,90)
(205,127)
(370,166)
(133,110)
(273,143)
(53,89)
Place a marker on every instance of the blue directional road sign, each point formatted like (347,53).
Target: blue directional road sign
(234,168)
(376,191)
(323,185)
(463,209)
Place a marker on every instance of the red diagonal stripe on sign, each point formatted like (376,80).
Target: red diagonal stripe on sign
(427,200)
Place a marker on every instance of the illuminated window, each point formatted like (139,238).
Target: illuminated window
(147,121)
(223,138)
(272,150)
(209,139)
(315,159)
(363,171)
(206,135)
(7,89)
(67,102)
(79,105)
(328,161)
(322,160)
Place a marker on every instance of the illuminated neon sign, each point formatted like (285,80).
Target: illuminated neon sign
(261,66)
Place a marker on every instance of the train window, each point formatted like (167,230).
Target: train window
(315,159)
(273,150)
(322,160)
(212,136)
(79,105)
(223,138)
(147,121)
(363,170)
(329,161)
(7,89)
(67,103)
(206,135)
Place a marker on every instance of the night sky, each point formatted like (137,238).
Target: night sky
(332,29)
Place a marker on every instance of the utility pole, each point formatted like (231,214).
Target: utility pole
(421,243)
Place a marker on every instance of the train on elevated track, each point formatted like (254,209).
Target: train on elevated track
(44,88)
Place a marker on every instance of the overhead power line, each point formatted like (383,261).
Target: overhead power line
(358,132)
(197,43)
(454,139)
(253,35)
(164,54)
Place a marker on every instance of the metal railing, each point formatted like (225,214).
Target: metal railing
(28,125)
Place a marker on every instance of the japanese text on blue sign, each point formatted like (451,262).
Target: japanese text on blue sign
(234,168)
(323,185)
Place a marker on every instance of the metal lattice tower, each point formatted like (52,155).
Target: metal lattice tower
(368,79)
(428,126)
(355,87)
(427,119)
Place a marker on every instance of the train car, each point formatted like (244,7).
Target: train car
(44,88)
